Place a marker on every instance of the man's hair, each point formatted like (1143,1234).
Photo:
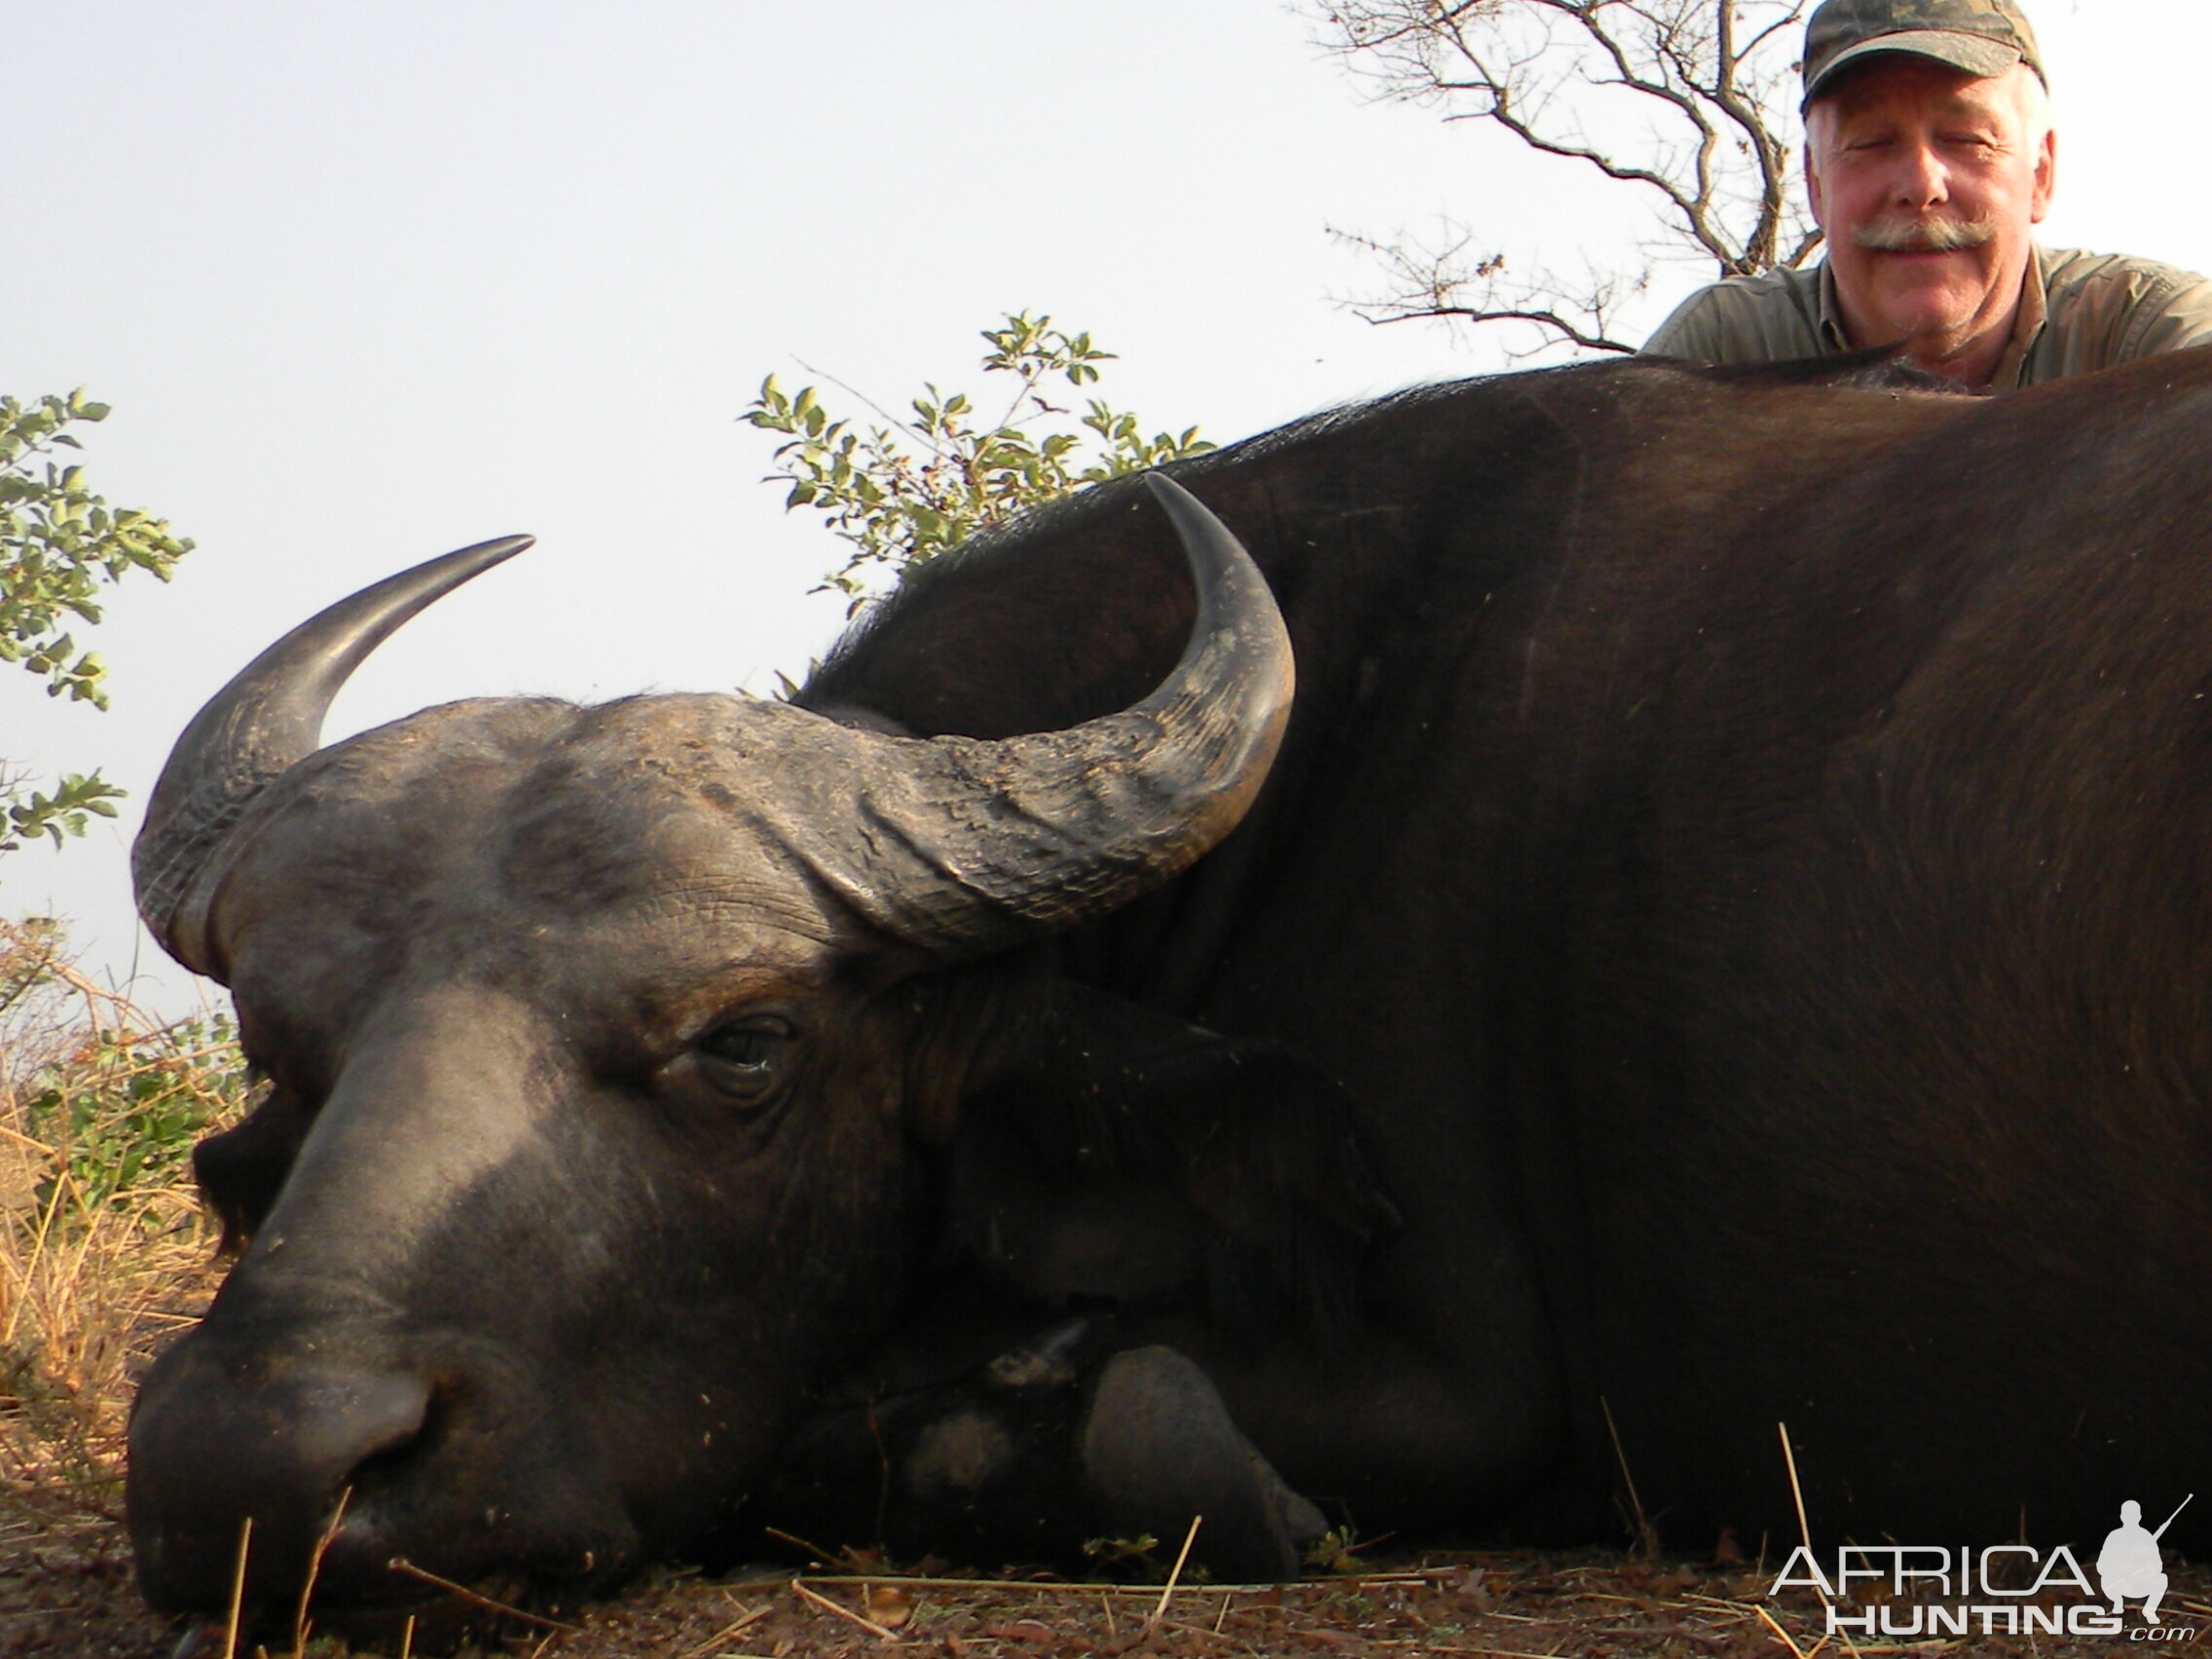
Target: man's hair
(2037,115)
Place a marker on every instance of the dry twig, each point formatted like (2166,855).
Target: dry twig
(237,1592)
(461,1592)
(1175,1575)
(866,1623)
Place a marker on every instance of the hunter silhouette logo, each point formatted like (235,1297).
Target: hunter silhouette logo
(2128,1566)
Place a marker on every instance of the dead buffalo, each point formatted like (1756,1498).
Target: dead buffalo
(1726,940)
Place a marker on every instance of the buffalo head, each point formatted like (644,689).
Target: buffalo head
(594,1041)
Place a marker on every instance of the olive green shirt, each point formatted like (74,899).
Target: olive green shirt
(2079,312)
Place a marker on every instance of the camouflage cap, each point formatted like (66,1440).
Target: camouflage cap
(1983,37)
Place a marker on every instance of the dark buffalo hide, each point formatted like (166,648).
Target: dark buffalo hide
(1726,942)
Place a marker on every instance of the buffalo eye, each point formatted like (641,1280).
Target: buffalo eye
(745,1059)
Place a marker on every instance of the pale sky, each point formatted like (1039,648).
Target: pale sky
(367,282)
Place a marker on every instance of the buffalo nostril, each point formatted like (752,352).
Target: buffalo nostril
(345,1420)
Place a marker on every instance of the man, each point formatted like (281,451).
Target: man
(1929,157)
(2128,1564)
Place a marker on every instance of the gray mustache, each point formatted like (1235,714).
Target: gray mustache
(1924,236)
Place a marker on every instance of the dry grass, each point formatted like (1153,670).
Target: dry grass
(102,1249)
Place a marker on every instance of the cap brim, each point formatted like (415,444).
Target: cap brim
(1974,53)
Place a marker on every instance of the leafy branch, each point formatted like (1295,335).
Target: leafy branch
(59,544)
(27,814)
(902,492)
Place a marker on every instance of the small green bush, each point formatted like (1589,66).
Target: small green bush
(122,1110)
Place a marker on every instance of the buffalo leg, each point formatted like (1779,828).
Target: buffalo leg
(1383,1433)
(1048,1446)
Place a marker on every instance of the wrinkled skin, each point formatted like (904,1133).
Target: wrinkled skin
(1724,941)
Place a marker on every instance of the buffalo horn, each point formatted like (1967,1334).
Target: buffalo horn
(264,720)
(965,844)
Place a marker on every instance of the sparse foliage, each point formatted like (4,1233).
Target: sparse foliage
(1685,101)
(59,544)
(904,490)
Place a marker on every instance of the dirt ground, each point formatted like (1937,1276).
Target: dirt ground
(66,1590)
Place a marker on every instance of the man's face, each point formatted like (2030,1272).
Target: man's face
(1928,180)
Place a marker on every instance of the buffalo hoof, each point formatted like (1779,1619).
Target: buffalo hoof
(1159,1448)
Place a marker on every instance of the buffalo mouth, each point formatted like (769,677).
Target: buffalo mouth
(440,1625)
(337,1495)
(355,1586)
(355,1583)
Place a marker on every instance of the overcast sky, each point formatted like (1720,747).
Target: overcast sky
(366,282)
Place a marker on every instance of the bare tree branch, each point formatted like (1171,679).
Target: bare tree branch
(1686,101)
(1454,284)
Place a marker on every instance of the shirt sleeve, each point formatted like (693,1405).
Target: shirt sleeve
(1691,331)
(1742,320)
(2174,312)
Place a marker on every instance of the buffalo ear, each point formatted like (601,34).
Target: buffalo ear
(241,1170)
(965,1028)
(1128,1151)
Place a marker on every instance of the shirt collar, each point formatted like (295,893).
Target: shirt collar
(1832,336)
(2027,324)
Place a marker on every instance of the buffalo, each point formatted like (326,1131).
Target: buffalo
(1722,938)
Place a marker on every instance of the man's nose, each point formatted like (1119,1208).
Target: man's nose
(1922,180)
